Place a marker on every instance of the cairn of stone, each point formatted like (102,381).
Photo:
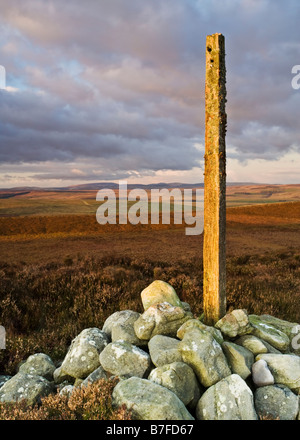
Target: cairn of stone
(172,366)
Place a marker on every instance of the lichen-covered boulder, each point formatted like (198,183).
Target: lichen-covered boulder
(119,318)
(179,378)
(149,401)
(159,292)
(285,369)
(4,378)
(22,386)
(235,323)
(83,355)
(202,352)
(228,399)
(39,364)
(195,323)
(96,375)
(264,330)
(282,325)
(252,343)
(164,350)
(160,319)
(121,358)
(276,402)
(124,330)
(240,359)
(59,376)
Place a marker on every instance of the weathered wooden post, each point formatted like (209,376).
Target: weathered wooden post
(214,244)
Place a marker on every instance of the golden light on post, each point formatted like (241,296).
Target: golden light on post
(214,242)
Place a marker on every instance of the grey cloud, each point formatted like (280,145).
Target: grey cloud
(138,96)
(55,131)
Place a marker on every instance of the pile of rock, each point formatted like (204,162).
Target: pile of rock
(174,367)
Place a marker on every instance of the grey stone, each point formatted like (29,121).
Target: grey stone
(228,399)
(83,355)
(252,343)
(202,352)
(256,345)
(119,318)
(235,323)
(195,323)
(4,378)
(199,390)
(59,376)
(61,385)
(263,330)
(96,375)
(67,390)
(159,292)
(22,386)
(164,350)
(276,402)
(285,369)
(282,325)
(122,358)
(149,401)
(186,306)
(271,349)
(125,332)
(179,378)
(78,382)
(240,359)
(261,375)
(160,319)
(39,364)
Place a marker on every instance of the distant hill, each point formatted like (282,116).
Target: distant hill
(111,185)
(82,200)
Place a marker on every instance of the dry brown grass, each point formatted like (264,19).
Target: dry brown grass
(92,402)
(43,306)
(18,228)
(55,284)
(270,214)
(250,230)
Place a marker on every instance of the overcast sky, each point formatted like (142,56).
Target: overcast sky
(114,89)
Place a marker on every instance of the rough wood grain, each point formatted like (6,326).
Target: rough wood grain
(214,242)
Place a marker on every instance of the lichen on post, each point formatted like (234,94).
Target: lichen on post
(214,244)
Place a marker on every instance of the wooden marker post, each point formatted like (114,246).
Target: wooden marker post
(214,244)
